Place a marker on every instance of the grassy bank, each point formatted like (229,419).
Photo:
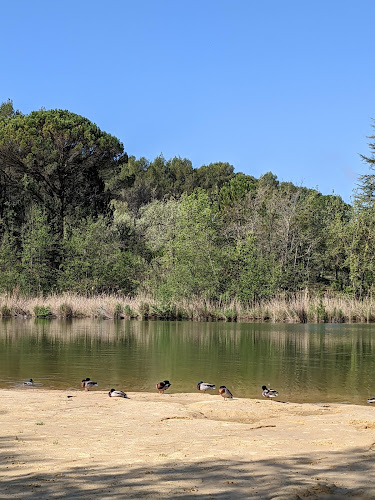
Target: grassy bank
(299,309)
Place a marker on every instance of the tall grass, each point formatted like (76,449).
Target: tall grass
(304,308)
(301,308)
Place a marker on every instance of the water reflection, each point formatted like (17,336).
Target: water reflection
(303,362)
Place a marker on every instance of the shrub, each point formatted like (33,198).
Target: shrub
(65,310)
(118,313)
(144,310)
(6,312)
(128,312)
(42,312)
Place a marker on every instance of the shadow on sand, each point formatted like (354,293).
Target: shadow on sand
(337,475)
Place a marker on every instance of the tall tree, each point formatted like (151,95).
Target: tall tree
(365,195)
(38,254)
(213,176)
(10,265)
(189,265)
(7,110)
(94,262)
(361,250)
(61,159)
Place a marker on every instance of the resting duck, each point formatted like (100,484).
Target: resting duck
(86,383)
(225,392)
(163,386)
(268,393)
(202,386)
(29,382)
(117,394)
(371,400)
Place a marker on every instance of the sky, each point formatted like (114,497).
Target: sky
(286,87)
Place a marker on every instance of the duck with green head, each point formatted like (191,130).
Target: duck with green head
(269,393)
(87,383)
(117,394)
(203,386)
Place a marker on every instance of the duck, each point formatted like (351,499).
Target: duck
(86,383)
(202,386)
(29,382)
(225,392)
(371,400)
(268,393)
(117,394)
(163,386)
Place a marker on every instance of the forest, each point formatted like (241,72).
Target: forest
(78,214)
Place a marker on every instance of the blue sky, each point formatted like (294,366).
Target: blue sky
(287,87)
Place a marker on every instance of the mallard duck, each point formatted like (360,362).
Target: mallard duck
(268,393)
(117,394)
(225,392)
(371,400)
(163,386)
(202,386)
(86,383)
(29,382)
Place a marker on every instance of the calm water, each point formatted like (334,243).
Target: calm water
(316,363)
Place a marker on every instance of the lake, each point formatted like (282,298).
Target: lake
(305,363)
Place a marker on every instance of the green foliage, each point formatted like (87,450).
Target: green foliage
(250,275)
(366,191)
(213,176)
(190,266)
(39,251)
(360,241)
(6,312)
(168,312)
(42,311)
(77,214)
(157,224)
(10,266)
(118,312)
(93,261)
(144,310)
(230,314)
(128,312)
(235,192)
(61,160)
(7,110)
(321,313)
(338,316)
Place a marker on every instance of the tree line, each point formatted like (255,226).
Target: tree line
(78,214)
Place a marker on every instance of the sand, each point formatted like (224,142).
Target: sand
(90,446)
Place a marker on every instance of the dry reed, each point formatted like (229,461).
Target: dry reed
(301,308)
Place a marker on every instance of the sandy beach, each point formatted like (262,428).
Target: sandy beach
(90,446)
